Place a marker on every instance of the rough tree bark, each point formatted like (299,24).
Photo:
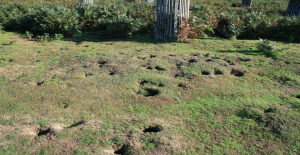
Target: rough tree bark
(85,1)
(246,3)
(293,8)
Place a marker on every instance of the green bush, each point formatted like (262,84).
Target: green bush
(119,19)
(229,25)
(256,24)
(270,51)
(287,28)
(40,19)
(121,27)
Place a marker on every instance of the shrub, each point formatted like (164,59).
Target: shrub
(271,51)
(43,18)
(123,19)
(287,28)
(121,27)
(255,25)
(229,25)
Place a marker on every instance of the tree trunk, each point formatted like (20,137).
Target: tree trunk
(85,1)
(246,3)
(293,8)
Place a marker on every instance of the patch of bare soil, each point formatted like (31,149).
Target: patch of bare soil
(30,130)
(21,41)
(13,70)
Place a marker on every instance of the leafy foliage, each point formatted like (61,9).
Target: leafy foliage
(122,18)
(269,50)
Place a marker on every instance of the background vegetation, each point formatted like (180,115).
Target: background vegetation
(119,18)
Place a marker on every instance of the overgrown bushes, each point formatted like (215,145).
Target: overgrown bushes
(130,19)
(69,19)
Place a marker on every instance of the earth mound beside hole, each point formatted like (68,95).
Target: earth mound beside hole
(156,128)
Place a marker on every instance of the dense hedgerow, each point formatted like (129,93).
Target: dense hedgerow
(70,19)
(212,18)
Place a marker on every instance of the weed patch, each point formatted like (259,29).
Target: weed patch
(10,137)
(81,152)
(118,140)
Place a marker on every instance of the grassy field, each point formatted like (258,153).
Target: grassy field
(84,95)
(91,95)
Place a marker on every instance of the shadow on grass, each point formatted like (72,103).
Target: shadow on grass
(246,52)
(76,124)
(97,37)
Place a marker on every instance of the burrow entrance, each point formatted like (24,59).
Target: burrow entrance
(218,72)
(148,92)
(159,68)
(154,128)
(102,63)
(237,72)
(43,131)
(124,150)
(192,61)
(112,73)
(205,72)
(144,82)
(183,86)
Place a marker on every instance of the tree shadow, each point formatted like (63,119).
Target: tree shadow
(243,51)
(97,37)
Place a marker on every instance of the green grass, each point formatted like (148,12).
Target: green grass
(105,94)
